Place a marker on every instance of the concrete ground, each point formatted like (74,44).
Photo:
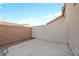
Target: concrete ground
(37,47)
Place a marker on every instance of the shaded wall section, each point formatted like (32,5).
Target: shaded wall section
(38,32)
(72,20)
(10,34)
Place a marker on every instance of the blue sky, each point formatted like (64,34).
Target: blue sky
(31,13)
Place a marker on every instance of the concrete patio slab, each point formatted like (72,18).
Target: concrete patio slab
(37,47)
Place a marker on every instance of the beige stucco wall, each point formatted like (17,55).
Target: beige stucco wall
(37,32)
(56,33)
(72,21)
(58,20)
(53,32)
(10,34)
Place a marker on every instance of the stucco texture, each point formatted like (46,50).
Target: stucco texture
(10,34)
(72,21)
